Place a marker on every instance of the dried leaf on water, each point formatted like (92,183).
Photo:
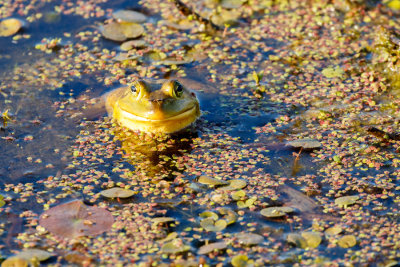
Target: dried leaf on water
(171,61)
(205,249)
(225,16)
(125,56)
(79,259)
(273,212)
(211,181)
(75,219)
(346,201)
(128,45)
(184,24)
(121,31)
(234,185)
(232,3)
(249,239)
(129,16)
(34,253)
(304,143)
(117,192)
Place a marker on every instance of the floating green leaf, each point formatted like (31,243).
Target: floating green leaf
(334,230)
(117,192)
(236,195)
(10,27)
(347,241)
(346,201)
(273,212)
(247,203)
(297,240)
(14,262)
(393,4)
(241,261)
(209,214)
(2,202)
(331,72)
(228,215)
(169,237)
(175,246)
(313,239)
(213,226)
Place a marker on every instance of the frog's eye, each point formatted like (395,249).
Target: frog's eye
(178,89)
(135,88)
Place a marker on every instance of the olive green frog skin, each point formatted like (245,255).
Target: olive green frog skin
(162,106)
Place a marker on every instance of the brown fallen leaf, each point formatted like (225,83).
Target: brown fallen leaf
(75,219)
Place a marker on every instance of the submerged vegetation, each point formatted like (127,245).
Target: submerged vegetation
(294,160)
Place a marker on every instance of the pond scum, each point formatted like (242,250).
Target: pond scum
(293,162)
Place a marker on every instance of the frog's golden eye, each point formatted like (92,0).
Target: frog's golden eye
(178,89)
(136,88)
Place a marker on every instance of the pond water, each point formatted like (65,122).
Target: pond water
(229,190)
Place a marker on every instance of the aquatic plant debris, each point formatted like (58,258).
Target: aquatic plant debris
(207,248)
(305,143)
(117,192)
(346,201)
(129,16)
(273,212)
(76,219)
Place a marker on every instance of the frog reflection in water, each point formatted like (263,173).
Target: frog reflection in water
(164,106)
(155,109)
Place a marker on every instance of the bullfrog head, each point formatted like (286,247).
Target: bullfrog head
(163,106)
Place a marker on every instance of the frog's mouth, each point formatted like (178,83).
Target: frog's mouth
(191,112)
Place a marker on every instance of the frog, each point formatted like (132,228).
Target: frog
(161,106)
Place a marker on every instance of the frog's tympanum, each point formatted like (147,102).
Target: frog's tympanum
(163,106)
